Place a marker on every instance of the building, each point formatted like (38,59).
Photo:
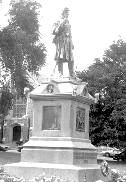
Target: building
(18,123)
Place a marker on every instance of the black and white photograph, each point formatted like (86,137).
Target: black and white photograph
(62,91)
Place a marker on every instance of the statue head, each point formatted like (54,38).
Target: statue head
(65,13)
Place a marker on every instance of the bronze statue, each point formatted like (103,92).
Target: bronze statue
(63,41)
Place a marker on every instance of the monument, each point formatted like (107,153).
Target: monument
(64,44)
(60,143)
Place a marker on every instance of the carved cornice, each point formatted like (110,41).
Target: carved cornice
(55,97)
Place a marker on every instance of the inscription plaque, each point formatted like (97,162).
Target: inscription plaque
(80,119)
(51,118)
(83,157)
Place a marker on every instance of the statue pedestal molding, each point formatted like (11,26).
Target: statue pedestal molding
(60,142)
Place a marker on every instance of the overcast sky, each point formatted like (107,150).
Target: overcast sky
(95,25)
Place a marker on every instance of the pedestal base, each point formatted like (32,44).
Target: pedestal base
(27,170)
(59,150)
(65,158)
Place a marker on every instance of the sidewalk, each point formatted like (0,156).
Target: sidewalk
(12,146)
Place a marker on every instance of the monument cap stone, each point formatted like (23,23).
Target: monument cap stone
(69,89)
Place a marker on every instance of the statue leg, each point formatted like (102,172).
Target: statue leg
(71,68)
(60,67)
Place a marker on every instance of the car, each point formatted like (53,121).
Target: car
(120,156)
(3,148)
(109,152)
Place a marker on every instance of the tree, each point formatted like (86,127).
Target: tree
(6,100)
(20,46)
(92,75)
(108,77)
(21,52)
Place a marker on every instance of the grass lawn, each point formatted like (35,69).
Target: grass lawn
(119,165)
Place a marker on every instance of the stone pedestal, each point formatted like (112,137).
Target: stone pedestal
(60,142)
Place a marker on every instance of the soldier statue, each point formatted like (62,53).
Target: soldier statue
(63,42)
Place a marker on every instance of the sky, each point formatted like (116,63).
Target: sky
(95,24)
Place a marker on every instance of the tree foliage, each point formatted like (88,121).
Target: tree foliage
(6,101)
(20,46)
(108,77)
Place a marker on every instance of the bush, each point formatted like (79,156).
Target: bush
(4,177)
(116,176)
